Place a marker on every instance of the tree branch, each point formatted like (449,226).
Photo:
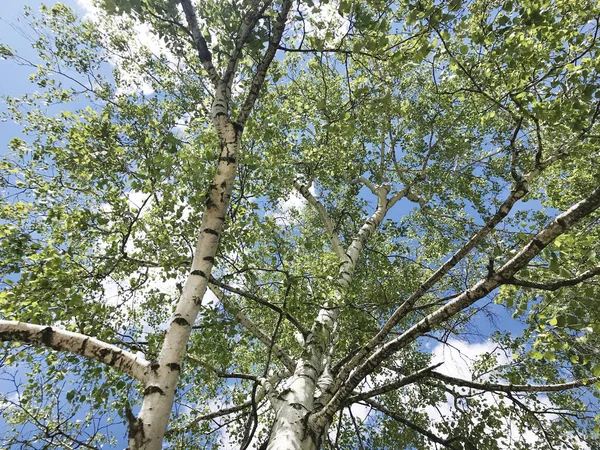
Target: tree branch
(250,20)
(555,284)
(335,239)
(428,434)
(199,41)
(261,70)
(257,299)
(247,323)
(81,344)
(555,228)
(425,372)
(513,387)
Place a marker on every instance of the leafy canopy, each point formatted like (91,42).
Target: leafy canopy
(105,188)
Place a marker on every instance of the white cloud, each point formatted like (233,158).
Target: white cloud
(458,357)
(324,18)
(142,37)
(295,201)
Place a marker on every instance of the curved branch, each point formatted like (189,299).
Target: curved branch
(407,423)
(335,239)
(81,344)
(556,284)
(513,387)
(247,323)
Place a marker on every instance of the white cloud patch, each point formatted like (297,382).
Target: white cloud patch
(142,37)
(458,357)
(324,20)
(295,201)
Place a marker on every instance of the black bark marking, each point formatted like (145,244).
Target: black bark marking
(154,366)
(228,159)
(84,345)
(310,377)
(209,258)
(210,231)
(181,321)
(114,358)
(136,426)
(199,273)
(174,367)
(563,224)
(538,243)
(153,390)
(298,406)
(46,336)
(209,203)
(102,353)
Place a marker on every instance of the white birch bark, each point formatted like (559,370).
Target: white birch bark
(309,388)
(148,429)
(134,366)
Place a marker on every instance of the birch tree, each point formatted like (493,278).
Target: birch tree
(252,228)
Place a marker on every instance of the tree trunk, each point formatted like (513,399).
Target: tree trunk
(148,429)
(292,406)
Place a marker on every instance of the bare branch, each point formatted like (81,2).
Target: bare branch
(81,344)
(513,387)
(556,284)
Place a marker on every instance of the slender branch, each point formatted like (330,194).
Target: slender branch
(199,41)
(261,70)
(425,372)
(257,299)
(556,284)
(247,323)
(81,344)
(368,184)
(428,434)
(513,387)
(214,415)
(250,20)
(335,239)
